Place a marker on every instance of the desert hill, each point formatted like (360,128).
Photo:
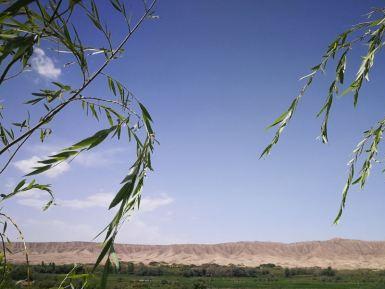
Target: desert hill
(338,253)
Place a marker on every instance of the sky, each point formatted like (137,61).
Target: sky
(214,74)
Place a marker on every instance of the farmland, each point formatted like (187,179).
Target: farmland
(163,276)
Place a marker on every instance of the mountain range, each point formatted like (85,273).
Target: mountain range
(337,253)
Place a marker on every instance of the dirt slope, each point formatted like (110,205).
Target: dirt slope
(338,253)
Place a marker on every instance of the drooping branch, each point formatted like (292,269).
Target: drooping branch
(371,33)
(50,115)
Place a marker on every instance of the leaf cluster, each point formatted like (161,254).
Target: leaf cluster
(371,34)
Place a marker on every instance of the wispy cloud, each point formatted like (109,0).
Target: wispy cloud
(27,165)
(102,200)
(31,202)
(149,204)
(32,194)
(44,65)
(32,198)
(138,229)
(148,228)
(90,159)
(45,148)
(95,159)
(100,158)
(95,200)
(57,230)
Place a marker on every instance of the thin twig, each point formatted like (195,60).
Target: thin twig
(5,258)
(23,241)
(13,155)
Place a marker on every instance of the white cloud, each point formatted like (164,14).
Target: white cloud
(144,228)
(32,194)
(44,65)
(10,184)
(135,230)
(31,202)
(140,228)
(90,159)
(57,230)
(96,200)
(36,198)
(27,165)
(33,198)
(149,204)
(100,158)
(44,148)
(138,231)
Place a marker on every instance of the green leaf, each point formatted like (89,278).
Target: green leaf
(39,170)
(120,89)
(111,85)
(108,115)
(47,205)
(64,155)
(124,193)
(49,161)
(106,247)
(95,21)
(19,185)
(131,175)
(95,114)
(279,119)
(72,3)
(106,270)
(92,141)
(5,227)
(62,86)
(115,260)
(16,6)
(116,5)
(145,111)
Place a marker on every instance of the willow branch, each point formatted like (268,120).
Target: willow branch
(58,108)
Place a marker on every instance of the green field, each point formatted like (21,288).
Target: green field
(164,276)
(172,282)
(241,282)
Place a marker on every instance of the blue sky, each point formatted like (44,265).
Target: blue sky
(214,74)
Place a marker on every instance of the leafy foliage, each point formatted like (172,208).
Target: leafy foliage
(370,33)
(28,25)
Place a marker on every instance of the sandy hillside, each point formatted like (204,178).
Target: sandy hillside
(338,253)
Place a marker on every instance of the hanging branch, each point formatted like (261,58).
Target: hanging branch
(370,33)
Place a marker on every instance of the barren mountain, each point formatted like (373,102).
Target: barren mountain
(338,253)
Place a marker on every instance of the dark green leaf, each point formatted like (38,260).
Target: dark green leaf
(39,170)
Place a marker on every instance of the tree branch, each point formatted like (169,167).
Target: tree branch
(58,108)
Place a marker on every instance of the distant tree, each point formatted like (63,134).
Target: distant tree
(371,34)
(328,272)
(130,267)
(287,273)
(53,267)
(30,28)
(19,272)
